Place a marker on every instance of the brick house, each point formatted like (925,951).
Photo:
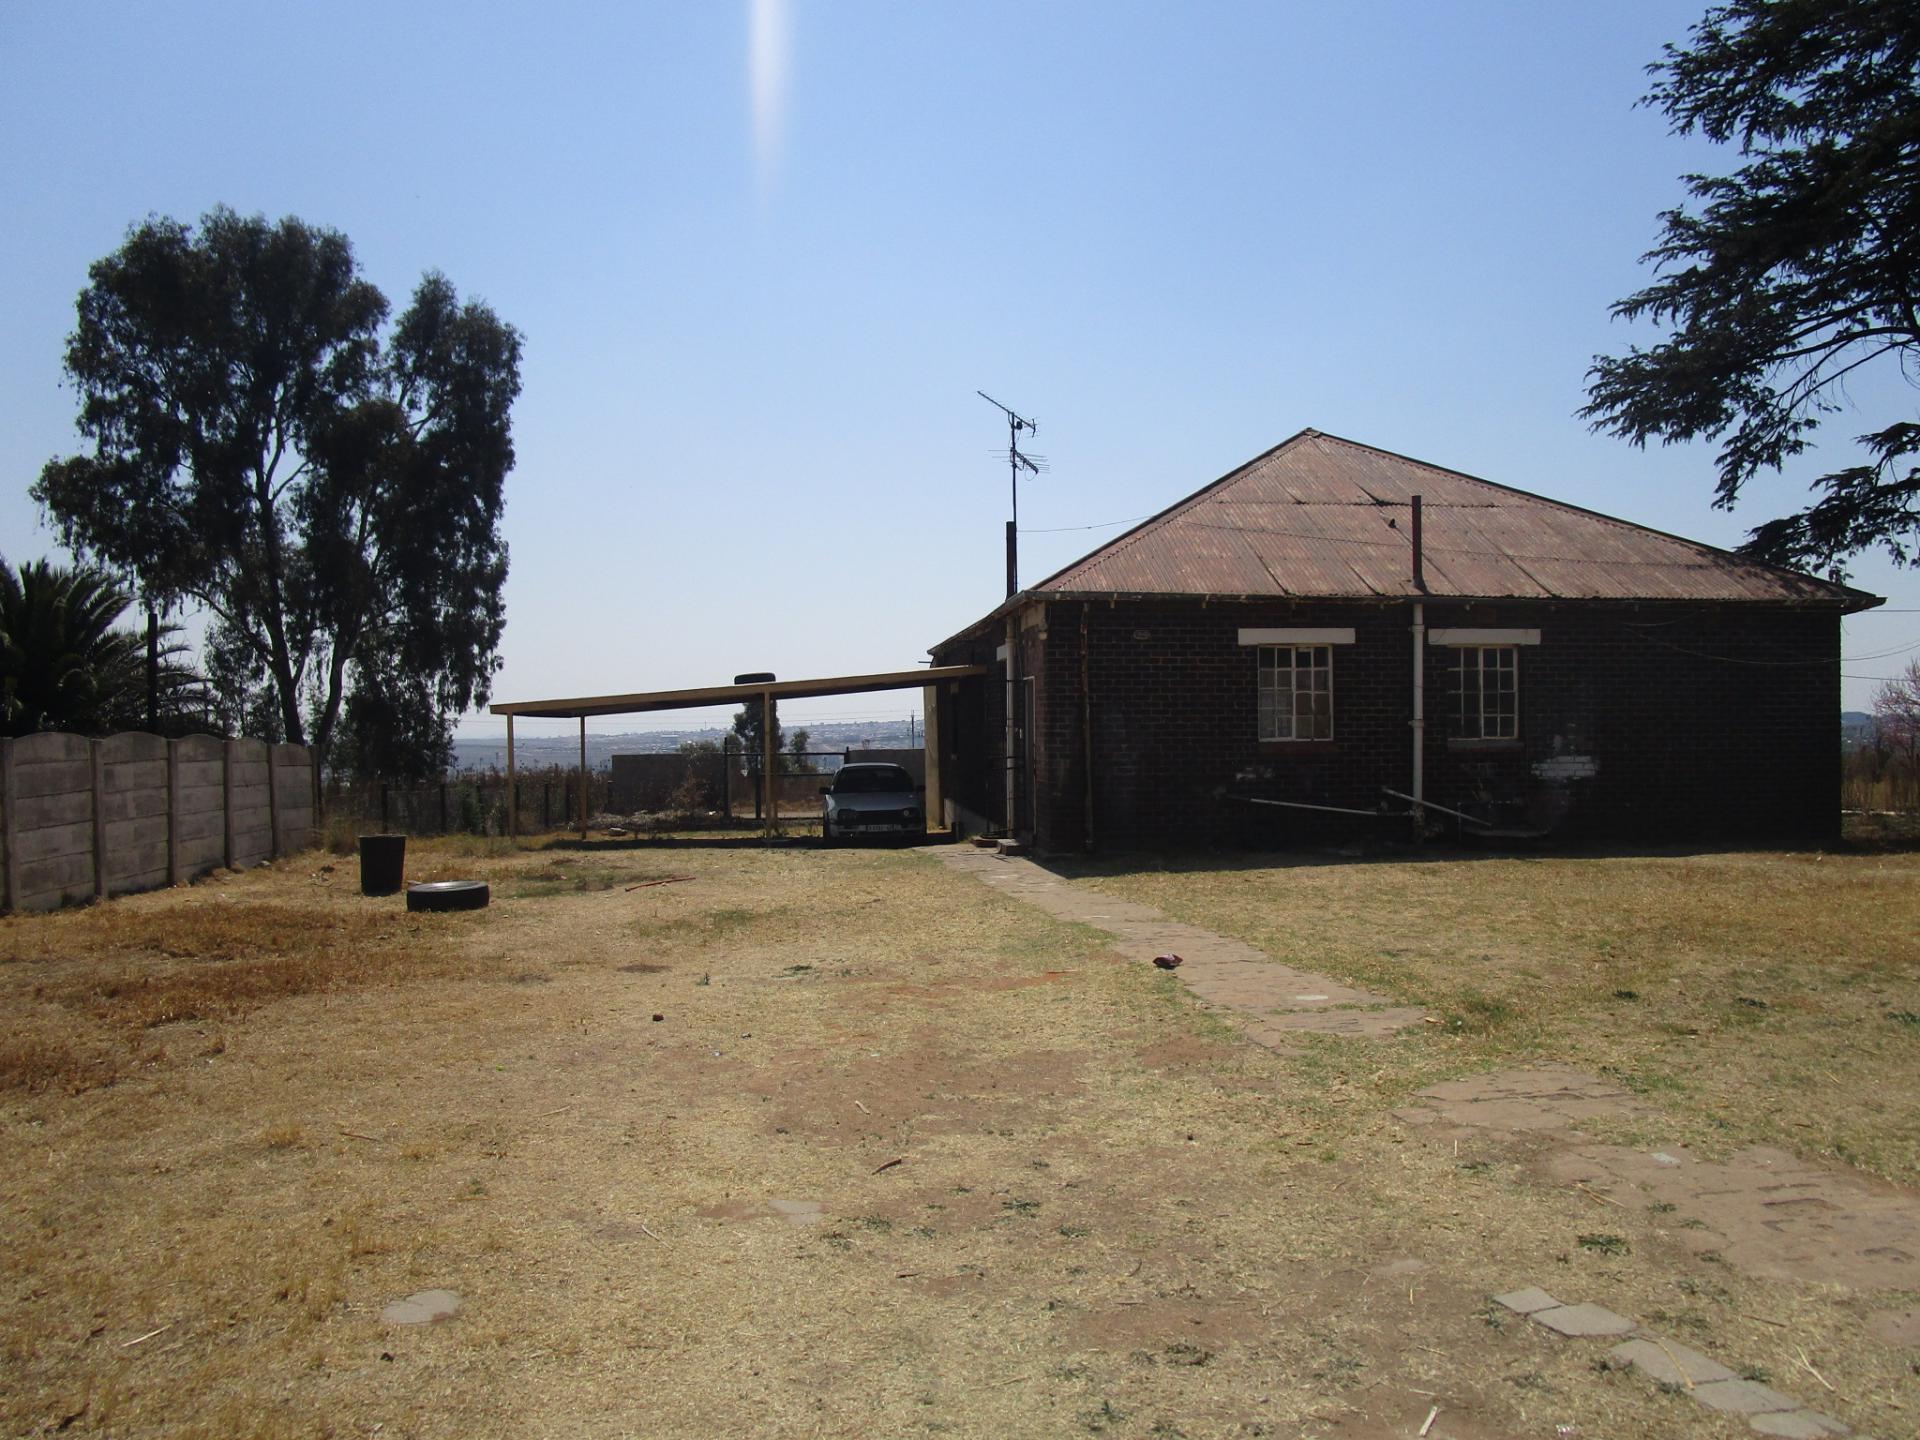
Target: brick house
(1271,657)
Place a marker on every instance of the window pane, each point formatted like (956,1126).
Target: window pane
(1276,693)
(1320,720)
(1493,679)
(1294,692)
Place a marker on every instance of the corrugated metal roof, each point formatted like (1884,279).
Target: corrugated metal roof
(1322,517)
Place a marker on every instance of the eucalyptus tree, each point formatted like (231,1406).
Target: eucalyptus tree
(325,486)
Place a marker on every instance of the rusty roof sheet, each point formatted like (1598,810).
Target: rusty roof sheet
(1322,517)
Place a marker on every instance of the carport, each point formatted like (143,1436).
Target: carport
(585,707)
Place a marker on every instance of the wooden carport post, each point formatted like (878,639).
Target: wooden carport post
(513,788)
(769,780)
(932,804)
(583,777)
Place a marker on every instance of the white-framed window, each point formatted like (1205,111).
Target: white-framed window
(1296,692)
(1486,687)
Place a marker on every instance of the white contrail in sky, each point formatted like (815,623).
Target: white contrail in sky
(769,57)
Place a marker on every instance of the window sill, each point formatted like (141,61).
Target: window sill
(1299,747)
(1496,747)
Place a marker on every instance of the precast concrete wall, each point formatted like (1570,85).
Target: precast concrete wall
(249,803)
(85,819)
(48,809)
(199,804)
(295,825)
(132,803)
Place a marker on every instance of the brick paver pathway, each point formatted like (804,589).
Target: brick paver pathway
(1271,1001)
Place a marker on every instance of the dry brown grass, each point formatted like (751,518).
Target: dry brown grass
(82,987)
(1111,1216)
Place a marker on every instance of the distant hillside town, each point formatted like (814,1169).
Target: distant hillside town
(536,751)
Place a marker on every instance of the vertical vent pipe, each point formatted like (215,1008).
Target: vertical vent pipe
(1419,723)
(1419,561)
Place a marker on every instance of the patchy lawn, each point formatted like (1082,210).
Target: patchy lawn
(839,1143)
(1761,998)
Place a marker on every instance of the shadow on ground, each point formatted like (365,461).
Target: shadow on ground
(725,840)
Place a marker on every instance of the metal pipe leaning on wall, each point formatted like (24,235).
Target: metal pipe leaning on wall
(1457,814)
(1329,809)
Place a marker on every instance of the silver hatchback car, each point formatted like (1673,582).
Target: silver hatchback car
(869,801)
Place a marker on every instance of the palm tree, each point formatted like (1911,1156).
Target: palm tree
(62,664)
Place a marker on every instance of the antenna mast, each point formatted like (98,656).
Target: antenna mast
(1016,462)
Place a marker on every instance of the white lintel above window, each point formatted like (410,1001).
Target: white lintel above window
(1326,636)
(1440,635)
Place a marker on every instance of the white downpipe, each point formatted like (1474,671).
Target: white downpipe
(1419,703)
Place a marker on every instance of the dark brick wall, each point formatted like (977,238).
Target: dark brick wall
(1700,722)
(971,729)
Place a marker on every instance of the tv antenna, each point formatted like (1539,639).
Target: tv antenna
(1017,461)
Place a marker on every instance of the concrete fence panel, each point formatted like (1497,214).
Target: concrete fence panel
(49,821)
(83,819)
(249,806)
(199,805)
(133,809)
(295,826)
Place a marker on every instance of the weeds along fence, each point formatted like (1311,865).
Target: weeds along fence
(84,819)
(1883,774)
(688,789)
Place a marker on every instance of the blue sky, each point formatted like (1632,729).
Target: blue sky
(760,285)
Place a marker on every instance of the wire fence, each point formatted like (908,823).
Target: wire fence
(687,791)
(468,804)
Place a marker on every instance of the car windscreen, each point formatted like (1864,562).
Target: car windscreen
(871,780)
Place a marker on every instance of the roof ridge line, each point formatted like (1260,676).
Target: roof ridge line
(1126,538)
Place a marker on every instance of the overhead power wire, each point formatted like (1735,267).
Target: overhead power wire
(1906,649)
(1103,525)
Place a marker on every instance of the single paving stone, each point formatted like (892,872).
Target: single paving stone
(1896,1327)
(1799,1425)
(1667,1363)
(1525,1302)
(797,1212)
(1343,1022)
(422,1308)
(1586,1322)
(1743,1397)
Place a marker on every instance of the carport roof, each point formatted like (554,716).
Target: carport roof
(581,706)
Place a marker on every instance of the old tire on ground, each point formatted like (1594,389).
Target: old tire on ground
(449,895)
